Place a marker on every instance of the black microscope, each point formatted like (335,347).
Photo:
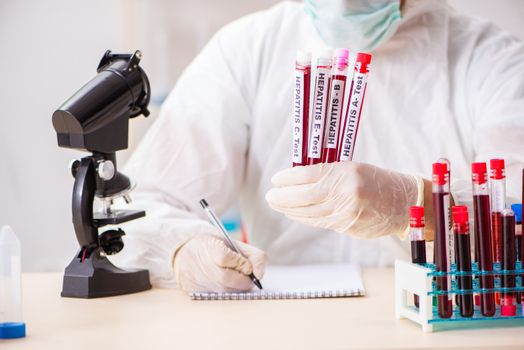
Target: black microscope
(96,119)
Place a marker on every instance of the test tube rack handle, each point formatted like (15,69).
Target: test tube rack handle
(418,279)
(414,279)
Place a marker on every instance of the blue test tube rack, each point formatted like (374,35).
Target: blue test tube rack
(419,279)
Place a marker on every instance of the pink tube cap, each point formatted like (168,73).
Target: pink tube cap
(341,57)
(341,53)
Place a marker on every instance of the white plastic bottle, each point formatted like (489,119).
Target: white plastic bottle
(11,324)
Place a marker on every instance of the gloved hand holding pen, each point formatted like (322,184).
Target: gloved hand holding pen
(348,197)
(205,263)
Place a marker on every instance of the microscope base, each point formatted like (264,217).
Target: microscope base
(97,277)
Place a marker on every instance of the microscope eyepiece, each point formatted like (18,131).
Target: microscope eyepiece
(96,117)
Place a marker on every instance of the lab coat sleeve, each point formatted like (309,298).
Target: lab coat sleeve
(497,87)
(196,149)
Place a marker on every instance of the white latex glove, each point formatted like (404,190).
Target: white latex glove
(206,264)
(353,198)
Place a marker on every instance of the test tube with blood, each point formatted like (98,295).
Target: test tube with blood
(441,202)
(336,103)
(349,128)
(498,203)
(483,236)
(497,179)
(462,245)
(417,238)
(519,243)
(301,107)
(508,259)
(320,105)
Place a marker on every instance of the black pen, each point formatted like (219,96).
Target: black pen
(229,242)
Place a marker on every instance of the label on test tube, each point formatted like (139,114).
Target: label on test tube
(450,250)
(298,115)
(301,108)
(354,108)
(451,240)
(336,104)
(449,222)
(320,102)
(335,111)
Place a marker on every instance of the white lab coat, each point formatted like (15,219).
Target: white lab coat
(445,85)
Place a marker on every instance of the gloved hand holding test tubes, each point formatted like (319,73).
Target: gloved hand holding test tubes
(319,189)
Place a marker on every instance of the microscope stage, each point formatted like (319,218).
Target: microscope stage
(116,217)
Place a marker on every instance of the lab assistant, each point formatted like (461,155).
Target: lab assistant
(443,85)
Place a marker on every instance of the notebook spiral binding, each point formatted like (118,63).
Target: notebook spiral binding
(274,295)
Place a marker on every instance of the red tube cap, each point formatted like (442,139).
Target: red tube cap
(497,169)
(460,214)
(416,216)
(440,173)
(362,62)
(479,172)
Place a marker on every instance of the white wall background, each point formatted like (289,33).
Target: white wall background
(48,49)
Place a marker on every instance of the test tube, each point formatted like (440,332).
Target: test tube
(349,129)
(442,257)
(498,203)
(483,235)
(521,294)
(462,245)
(497,177)
(519,244)
(450,241)
(320,105)
(11,324)
(508,258)
(336,103)
(417,238)
(517,209)
(301,107)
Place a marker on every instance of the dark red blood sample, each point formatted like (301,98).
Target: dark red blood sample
(418,256)
(496,234)
(441,250)
(462,245)
(508,263)
(483,231)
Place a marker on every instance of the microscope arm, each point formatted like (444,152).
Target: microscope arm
(83,196)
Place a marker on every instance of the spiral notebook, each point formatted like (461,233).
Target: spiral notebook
(299,282)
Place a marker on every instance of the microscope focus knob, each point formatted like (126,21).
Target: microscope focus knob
(106,170)
(111,241)
(73,166)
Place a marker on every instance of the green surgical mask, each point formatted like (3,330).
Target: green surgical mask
(360,25)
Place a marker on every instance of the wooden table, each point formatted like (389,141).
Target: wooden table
(168,319)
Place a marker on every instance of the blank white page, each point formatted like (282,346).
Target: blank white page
(299,282)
